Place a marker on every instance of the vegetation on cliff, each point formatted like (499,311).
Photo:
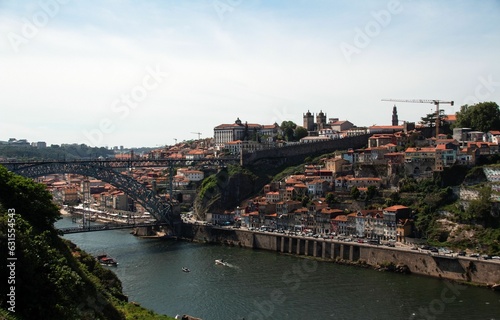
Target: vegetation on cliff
(225,190)
(51,278)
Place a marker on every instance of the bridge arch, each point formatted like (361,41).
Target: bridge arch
(160,209)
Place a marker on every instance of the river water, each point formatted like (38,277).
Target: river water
(268,285)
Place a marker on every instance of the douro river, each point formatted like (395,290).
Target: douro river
(267,285)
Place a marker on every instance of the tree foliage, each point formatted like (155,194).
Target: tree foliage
(288,129)
(371,192)
(484,116)
(330,199)
(430,119)
(299,133)
(32,200)
(480,209)
(53,280)
(355,193)
(55,152)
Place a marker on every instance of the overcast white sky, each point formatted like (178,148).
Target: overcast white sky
(141,73)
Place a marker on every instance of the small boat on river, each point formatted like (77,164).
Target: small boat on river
(107,261)
(185,269)
(221,262)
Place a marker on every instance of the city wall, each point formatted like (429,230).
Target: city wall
(476,271)
(297,152)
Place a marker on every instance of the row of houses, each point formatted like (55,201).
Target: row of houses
(70,190)
(391,223)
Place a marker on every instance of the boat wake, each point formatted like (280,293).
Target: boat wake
(221,262)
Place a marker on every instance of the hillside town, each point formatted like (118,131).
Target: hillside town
(325,199)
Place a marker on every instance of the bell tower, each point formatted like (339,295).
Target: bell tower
(395,116)
(308,121)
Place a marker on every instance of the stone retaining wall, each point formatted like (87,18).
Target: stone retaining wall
(476,271)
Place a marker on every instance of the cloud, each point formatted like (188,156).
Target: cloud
(262,62)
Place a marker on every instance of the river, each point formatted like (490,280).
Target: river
(268,285)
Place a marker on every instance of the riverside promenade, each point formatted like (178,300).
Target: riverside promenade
(457,268)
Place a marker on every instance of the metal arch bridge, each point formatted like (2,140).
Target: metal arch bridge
(107,170)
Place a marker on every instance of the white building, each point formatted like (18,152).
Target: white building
(192,175)
(238,130)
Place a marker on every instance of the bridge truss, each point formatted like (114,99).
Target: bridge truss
(109,170)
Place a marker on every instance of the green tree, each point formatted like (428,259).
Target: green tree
(330,199)
(299,133)
(480,209)
(371,192)
(355,193)
(32,200)
(429,120)
(288,129)
(484,116)
(305,201)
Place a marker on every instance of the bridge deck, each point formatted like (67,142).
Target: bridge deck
(106,227)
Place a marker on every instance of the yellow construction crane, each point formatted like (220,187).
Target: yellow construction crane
(434,102)
(198,133)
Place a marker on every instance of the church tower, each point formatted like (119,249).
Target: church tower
(308,121)
(321,120)
(395,116)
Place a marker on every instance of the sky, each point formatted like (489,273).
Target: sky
(149,73)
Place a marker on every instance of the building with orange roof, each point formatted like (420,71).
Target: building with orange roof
(317,187)
(381,139)
(339,224)
(337,165)
(273,196)
(404,228)
(340,125)
(384,129)
(391,216)
(493,136)
(286,207)
(70,195)
(190,174)
(195,154)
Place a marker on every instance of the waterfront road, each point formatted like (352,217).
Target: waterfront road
(398,247)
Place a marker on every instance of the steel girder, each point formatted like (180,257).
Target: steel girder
(161,210)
